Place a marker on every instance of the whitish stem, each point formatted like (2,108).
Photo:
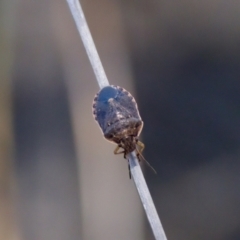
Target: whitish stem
(102,80)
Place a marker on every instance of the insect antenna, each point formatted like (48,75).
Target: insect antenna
(148,164)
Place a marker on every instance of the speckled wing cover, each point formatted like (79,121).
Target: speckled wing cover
(112,104)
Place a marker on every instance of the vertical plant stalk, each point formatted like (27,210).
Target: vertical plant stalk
(102,80)
(88,43)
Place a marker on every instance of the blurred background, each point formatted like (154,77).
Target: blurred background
(59,178)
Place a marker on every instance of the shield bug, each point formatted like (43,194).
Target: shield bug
(116,112)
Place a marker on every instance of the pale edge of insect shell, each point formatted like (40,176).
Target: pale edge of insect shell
(94,106)
(128,93)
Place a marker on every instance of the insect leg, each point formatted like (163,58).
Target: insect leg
(139,150)
(141,146)
(139,154)
(116,151)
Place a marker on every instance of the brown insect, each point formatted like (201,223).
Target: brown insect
(116,112)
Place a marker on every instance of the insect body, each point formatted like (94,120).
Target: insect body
(117,114)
